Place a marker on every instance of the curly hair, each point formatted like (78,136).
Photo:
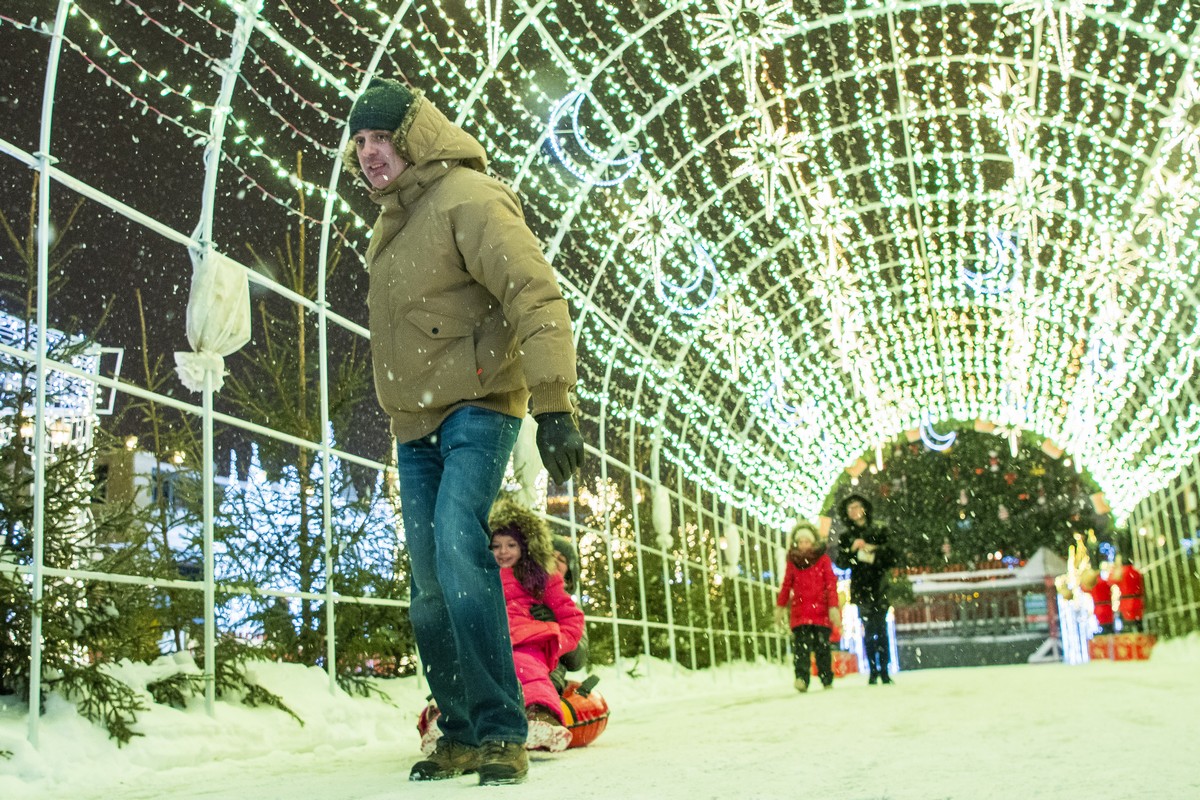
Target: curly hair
(531,532)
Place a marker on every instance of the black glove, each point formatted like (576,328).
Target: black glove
(542,612)
(559,444)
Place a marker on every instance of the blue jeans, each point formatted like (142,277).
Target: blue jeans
(448,481)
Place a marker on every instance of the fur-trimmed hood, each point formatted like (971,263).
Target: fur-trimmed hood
(425,138)
(510,517)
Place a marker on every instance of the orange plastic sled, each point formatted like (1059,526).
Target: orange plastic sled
(584,710)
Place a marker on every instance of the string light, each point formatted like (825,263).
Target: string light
(1005,228)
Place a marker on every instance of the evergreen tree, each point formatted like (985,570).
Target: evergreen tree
(974,499)
(85,624)
(270,525)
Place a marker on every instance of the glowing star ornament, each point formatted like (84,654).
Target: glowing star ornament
(1113,260)
(1026,198)
(768,157)
(1056,18)
(746,27)
(828,219)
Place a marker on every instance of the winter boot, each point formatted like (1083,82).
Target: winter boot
(502,762)
(545,730)
(874,678)
(801,684)
(448,759)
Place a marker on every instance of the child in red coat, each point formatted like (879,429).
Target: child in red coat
(810,588)
(1129,583)
(543,621)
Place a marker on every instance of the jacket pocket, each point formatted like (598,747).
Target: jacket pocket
(437,325)
(435,352)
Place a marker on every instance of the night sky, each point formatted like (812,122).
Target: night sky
(152,165)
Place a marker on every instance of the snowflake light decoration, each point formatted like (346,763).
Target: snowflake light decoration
(827,214)
(1164,208)
(768,156)
(1181,126)
(734,328)
(1113,260)
(746,27)
(836,283)
(1028,197)
(1007,104)
(1055,17)
(654,226)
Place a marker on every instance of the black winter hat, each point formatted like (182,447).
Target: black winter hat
(381,106)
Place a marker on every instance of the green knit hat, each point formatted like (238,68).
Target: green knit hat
(381,106)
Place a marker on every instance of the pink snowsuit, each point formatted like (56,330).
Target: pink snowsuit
(536,644)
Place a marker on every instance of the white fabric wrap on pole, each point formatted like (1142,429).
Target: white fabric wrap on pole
(733,550)
(218,319)
(661,517)
(527,462)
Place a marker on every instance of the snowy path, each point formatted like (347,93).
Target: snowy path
(1047,731)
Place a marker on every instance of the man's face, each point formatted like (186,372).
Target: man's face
(857,513)
(377,157)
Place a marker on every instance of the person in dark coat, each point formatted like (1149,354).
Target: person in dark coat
(864,549)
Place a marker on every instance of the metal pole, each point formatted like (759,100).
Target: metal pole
(37,587)
(212,161)
(206,510)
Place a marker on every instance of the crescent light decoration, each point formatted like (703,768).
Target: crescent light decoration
(1003,262)
(932,439)
(571,104)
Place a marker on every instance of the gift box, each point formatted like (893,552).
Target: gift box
(844,663)
(1121,646)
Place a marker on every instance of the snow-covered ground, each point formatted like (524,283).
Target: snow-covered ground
(1095,731)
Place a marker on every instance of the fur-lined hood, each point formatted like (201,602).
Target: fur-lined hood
(509,515)
(424,137)
(802,559)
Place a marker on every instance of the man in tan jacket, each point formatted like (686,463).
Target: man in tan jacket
(468,330)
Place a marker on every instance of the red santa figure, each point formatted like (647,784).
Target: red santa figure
(1129,583)
(1091,582)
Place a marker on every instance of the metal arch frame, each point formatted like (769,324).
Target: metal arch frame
(662,104)
(322,338)
(246,13)
(44,162)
